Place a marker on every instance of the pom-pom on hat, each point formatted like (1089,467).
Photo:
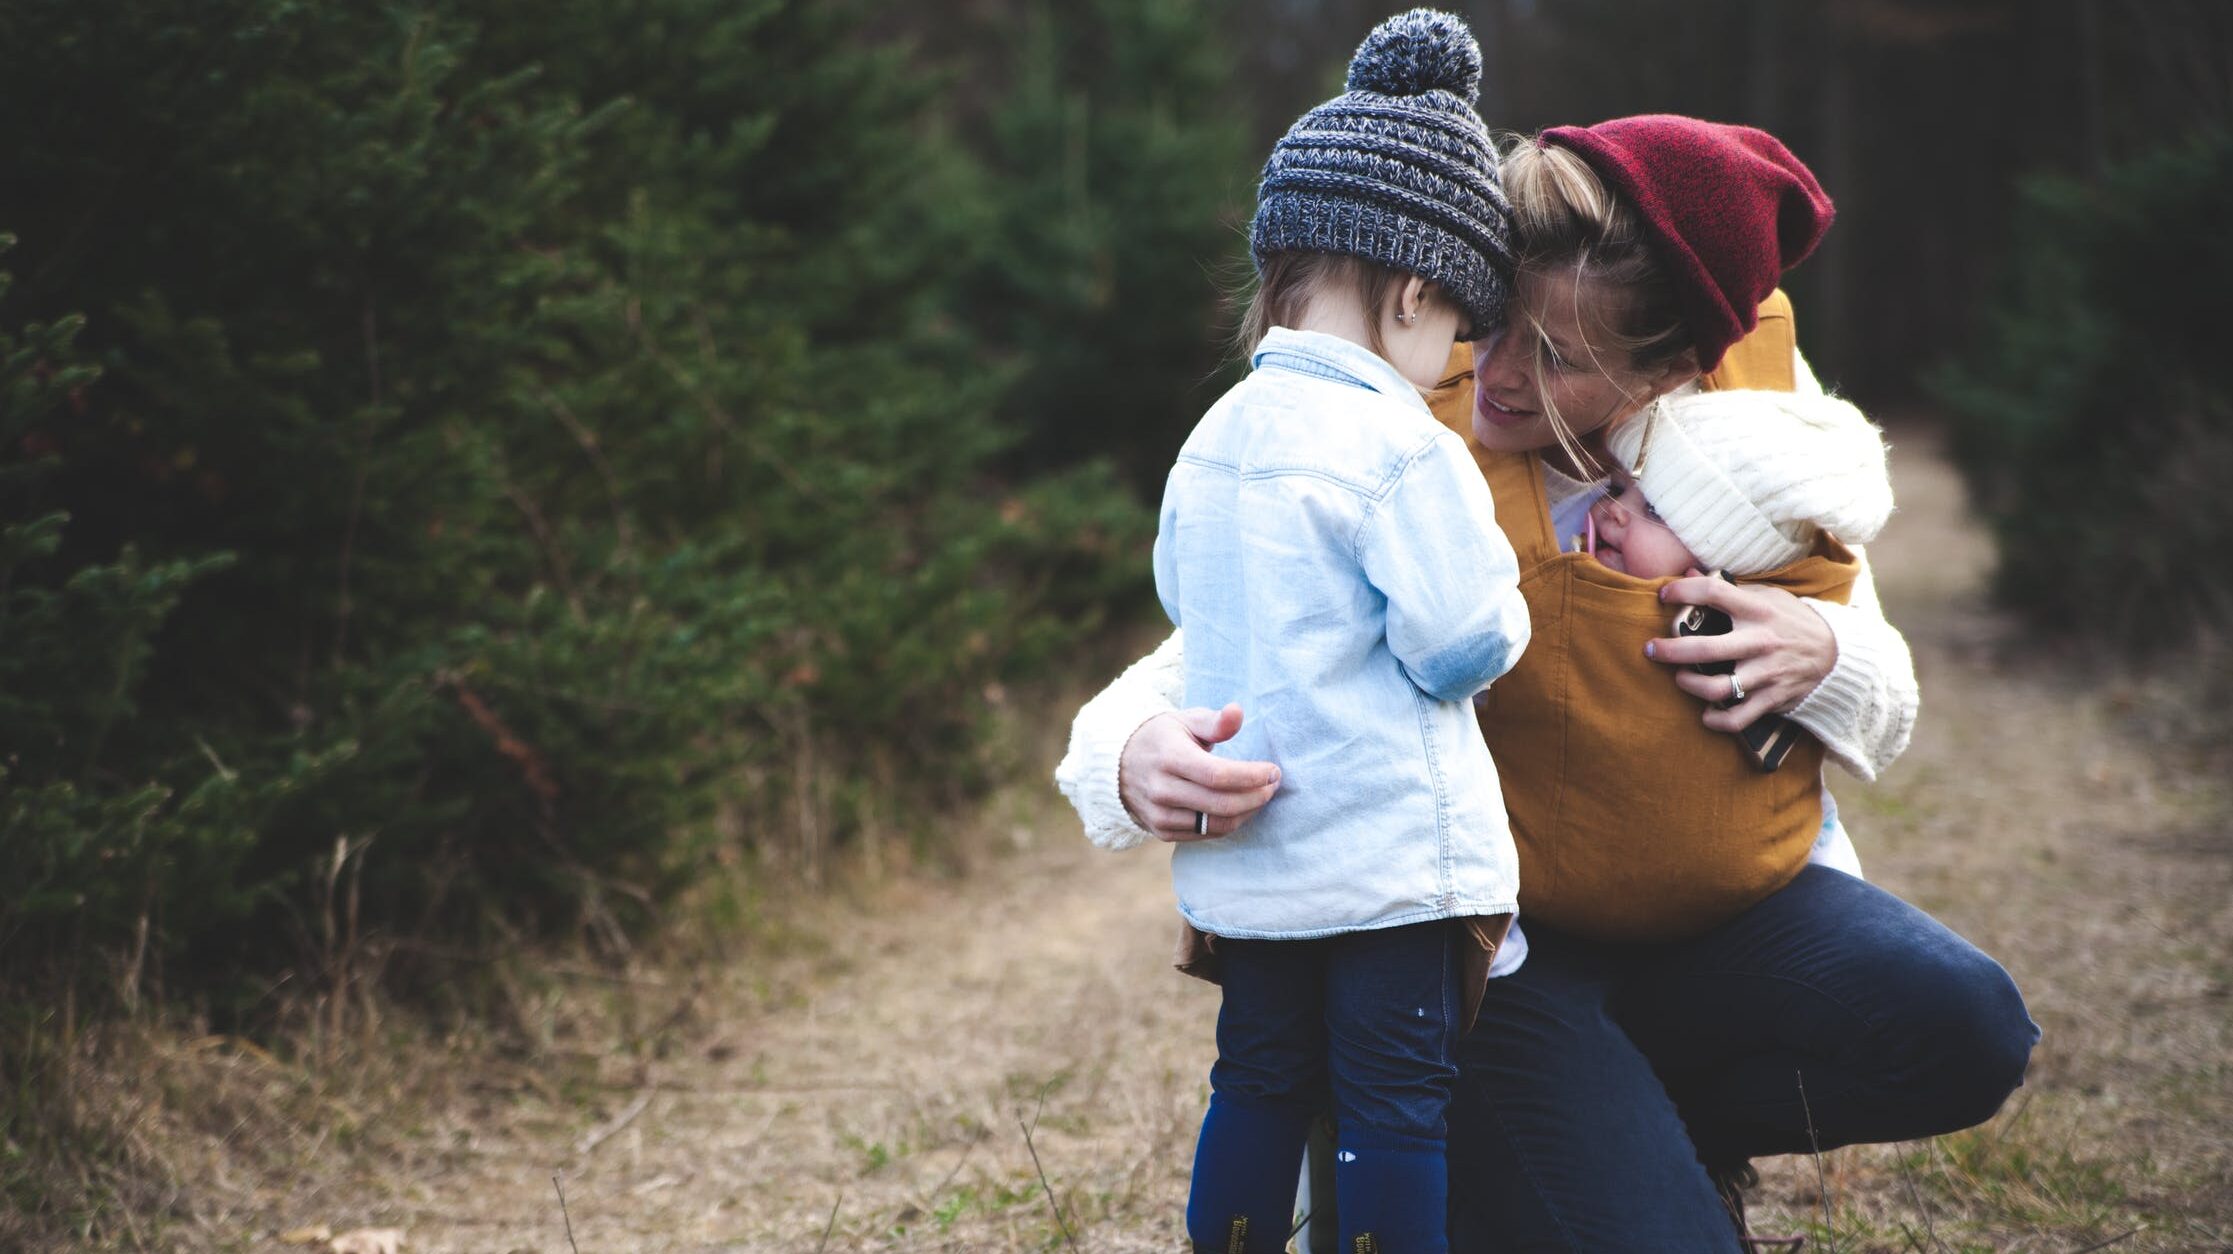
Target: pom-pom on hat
(1728,206)
(1398,169)
(1745,479)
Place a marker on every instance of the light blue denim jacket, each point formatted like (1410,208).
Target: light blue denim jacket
(1333,556)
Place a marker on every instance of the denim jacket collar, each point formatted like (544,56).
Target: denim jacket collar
(1332,357)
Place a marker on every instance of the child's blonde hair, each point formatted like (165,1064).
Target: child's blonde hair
(1287,282)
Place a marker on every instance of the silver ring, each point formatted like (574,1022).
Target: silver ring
(1736,690)
(1201,823)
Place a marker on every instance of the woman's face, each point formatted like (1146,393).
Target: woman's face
(1589,388)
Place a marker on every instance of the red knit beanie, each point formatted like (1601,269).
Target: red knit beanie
(1729,207)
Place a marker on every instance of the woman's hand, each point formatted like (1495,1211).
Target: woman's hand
(1782,650)
(1167,775)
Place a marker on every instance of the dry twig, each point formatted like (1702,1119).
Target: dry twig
(2118,1239)
(932,1197)
(563,1215)
(598,1136)
(1915,1194)
(1053,1203)
(1821,1177)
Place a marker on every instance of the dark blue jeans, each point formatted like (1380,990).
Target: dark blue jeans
(1601,1079)
(1371,1017)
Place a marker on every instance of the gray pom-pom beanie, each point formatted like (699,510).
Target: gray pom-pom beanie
(1398,169)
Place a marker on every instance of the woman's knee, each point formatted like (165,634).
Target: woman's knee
(1978,1039)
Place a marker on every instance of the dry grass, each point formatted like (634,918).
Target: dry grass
(2043,813)
(853,1077)
(857,1069)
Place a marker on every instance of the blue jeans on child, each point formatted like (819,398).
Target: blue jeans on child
(1372,1018)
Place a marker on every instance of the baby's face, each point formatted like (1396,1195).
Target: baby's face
(1630,537)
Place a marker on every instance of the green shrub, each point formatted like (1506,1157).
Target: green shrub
(2096,425)
(1127,180)
(495,468)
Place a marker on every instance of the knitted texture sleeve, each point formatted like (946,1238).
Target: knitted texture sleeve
(1864,710)
(1087,774)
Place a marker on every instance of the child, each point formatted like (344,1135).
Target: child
(1332,555)
(1763,486)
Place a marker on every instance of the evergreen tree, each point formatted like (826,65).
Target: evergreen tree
(1125,183)
(2097,426)
(465,450)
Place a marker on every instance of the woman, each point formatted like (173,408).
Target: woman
(1611,1095)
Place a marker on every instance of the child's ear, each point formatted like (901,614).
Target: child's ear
(1413,297)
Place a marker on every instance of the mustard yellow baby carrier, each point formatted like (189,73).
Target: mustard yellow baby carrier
(1633,820)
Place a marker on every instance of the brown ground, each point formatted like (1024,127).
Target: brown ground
(871,1092)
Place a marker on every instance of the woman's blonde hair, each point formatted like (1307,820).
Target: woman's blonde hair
(1567,223)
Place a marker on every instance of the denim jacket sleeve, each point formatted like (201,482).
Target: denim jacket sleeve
(1431,545)
(1164,561)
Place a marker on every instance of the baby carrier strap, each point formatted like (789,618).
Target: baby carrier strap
(1515,479)
(1765,359)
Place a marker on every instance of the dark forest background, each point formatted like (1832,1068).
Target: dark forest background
(1921,117)
(484,473)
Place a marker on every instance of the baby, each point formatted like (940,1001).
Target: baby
(1737,482)
(1764,487)
(1626,533)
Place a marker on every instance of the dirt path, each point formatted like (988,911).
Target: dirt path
(883,1107)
